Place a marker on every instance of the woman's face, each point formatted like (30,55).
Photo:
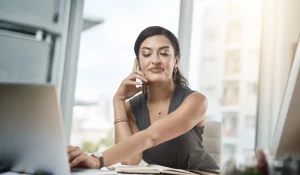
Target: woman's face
(157,59)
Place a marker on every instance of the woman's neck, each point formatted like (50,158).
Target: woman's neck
(160,92)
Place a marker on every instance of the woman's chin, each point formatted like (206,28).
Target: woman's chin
(155,81)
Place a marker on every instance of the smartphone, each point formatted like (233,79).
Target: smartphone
(139,67)
(139,64)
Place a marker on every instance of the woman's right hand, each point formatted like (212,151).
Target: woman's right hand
(128,88)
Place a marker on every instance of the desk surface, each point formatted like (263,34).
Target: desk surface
(104,171)
(96,172)
(206,173)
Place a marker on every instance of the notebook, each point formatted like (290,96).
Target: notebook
(148,169)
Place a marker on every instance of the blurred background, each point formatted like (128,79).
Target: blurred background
(224,60)
(236,52)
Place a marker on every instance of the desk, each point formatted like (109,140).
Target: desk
(87,173)
(104,172)
(10,173)
(81,172)
(206,173)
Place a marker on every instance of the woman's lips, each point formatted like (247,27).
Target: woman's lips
(155,70)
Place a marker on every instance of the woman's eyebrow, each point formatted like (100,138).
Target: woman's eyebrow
(164,47)
(148,48)
(160,48)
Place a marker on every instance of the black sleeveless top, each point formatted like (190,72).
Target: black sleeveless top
(183,152)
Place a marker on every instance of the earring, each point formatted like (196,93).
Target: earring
(175,71)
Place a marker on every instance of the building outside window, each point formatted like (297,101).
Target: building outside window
(234,31)
(235,69)
(106,57)
(233,62)
(231,93)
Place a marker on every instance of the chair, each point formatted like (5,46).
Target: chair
(212,140)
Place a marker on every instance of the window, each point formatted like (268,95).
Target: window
(235,8)
(234,31)
(106,57)
(252,89)
(229,151)
(248,153)
(209,58)
(207,67)
(231,93)
(225,22)
(209,117)
(250,121)
(209,92)
(233,62)
(230,123)
(211,34)
(212,13)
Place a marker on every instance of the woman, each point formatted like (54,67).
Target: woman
(164,124)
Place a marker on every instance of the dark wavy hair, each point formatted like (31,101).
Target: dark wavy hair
(157,30)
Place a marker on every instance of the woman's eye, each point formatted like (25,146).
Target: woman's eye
(165,54)
(146,55)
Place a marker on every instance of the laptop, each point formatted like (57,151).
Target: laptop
(31,130)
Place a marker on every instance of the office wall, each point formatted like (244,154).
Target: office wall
(32,36)
(39,43)
(288,32)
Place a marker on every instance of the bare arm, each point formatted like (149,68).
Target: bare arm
(189,113)
(124,130)
(122,109)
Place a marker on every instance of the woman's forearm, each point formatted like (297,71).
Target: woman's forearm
(125,149)
(122,129)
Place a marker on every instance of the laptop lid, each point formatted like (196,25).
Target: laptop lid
(31,130)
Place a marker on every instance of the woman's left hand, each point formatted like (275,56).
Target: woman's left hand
(79,159)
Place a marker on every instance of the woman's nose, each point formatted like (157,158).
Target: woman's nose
(156,60)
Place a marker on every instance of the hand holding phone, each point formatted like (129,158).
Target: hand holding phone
(139,67)
(130,86)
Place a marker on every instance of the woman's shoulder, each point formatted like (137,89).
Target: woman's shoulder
(137,99)
(188,89)
(185,91)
